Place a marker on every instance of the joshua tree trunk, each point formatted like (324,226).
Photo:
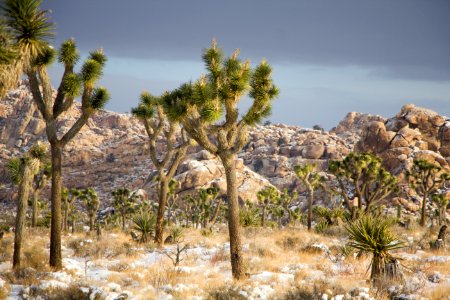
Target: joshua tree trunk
(91,222)
(229,164)
(34,208)
(424,208)
(310,202)
(159,227)
(24,192)
(263,216)
(123,219)
(55,231)
(216,213)
(66,216)
(169,216)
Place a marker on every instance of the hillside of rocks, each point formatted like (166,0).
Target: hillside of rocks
(111,150)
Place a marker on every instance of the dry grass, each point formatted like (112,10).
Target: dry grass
(440,293)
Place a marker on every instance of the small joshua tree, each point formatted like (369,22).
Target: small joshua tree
(442,201)
(172,198)
(68,201)
(124,202)
(361,175)
(372,235)
(151,113)
(22,171)
(91,203)
(39,182)
(312,180)
(208,110)
(267,197)
(285,200)
(426,177)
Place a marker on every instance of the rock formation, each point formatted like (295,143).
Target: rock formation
(112,151)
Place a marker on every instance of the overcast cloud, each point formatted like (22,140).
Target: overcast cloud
(329,57)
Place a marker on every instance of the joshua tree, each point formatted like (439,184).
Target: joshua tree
(371,235)
(285,200)
(69,197)
(92,203)
(426,178)
(124,201)
(22,171)
(266,198)
(363,177)
(442,201)
(208,110)
(30,27)
(40,181)
(312,181)
(172,198)
(151,113)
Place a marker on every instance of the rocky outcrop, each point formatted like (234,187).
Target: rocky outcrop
(414,133)
(111,151)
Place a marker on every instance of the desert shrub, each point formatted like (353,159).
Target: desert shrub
(220,256)
(35,258)
(73,292)
(225,293)
(372,235)
(290,242)
(249,215)
(6,245)
(321,226)
(144,223)
(3,292)
(44,221)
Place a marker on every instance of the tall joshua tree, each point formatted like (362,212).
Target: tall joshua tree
(208,110)
(151,113)
(426,178)
(22,171)
(30,28)
(312,180)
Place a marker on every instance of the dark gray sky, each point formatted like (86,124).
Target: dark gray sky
(329,57)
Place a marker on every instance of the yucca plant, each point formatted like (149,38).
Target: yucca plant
(144,223)
(371,234)
(249,216)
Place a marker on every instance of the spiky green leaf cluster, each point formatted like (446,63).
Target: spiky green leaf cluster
(147,106)
(29,24)
(8,51)
(72,85)
(91,71)
(13,167)
(98,56)
(68,53)
(217,93)
(372,234)
(144,223)
(45,58)
(99,98)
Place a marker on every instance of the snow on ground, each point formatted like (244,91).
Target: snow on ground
(147,274)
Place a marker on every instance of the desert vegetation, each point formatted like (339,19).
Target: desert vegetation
(176,241)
